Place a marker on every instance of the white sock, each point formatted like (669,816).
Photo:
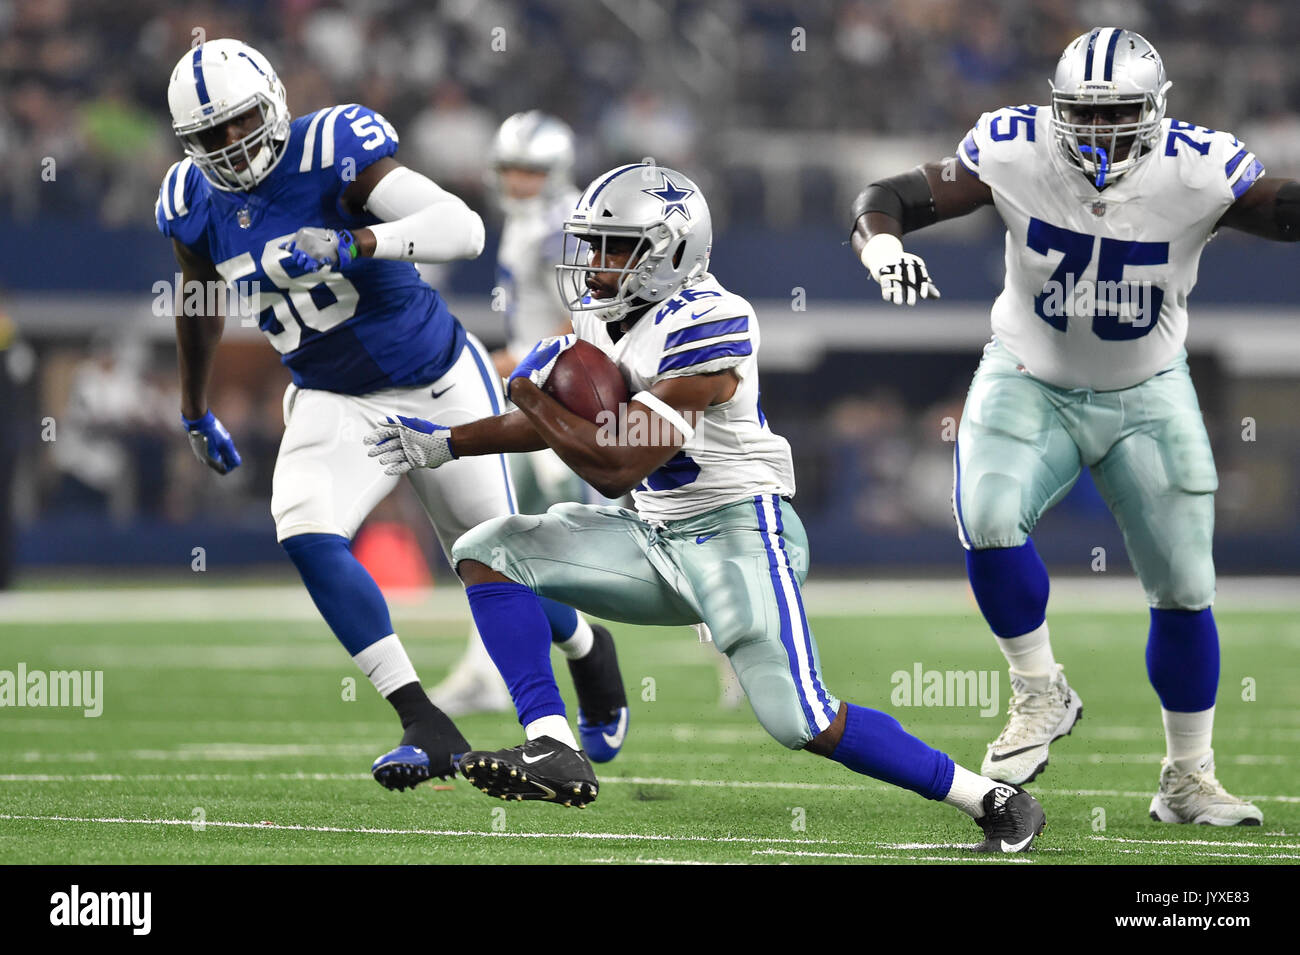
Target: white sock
(556,727)
(968,790)
(386,664)
(1187,736)
(580,643)
(1030,658)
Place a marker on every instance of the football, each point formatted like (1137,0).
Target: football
(586,382)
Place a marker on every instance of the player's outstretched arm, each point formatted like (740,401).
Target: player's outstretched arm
(887,209)
(422,222)
(197,336)
(402,444)
(1270,208)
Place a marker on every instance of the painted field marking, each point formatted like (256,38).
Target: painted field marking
(624,780)
(982,857)
(458,833)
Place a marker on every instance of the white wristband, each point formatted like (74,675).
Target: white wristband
(666,411)
(882,249)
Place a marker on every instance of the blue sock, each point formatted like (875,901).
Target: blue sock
(1010,586)
(1183,658)
(876,745)
(563,620)
(515,632)
(343,591)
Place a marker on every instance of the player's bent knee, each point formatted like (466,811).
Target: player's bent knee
(991,512)
(773,696)
(1190,587)
(489,544)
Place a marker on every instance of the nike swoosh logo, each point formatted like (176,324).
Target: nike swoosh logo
(439,394)
(1015,846)
(616,740)
(695,315)
(706,537)
(998,757)
(536,759)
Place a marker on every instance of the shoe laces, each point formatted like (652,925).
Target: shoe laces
(1024,708)
(998,819)
(1202,781)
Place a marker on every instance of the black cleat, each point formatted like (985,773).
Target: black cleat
(542,768)
(1011,820)
(602,699)
(429,749)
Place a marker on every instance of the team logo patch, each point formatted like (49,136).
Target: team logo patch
(673,197)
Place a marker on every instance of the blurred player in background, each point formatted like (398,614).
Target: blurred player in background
(1107,205)
(316,225)
(713,541)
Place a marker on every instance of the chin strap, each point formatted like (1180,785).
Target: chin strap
(1103,162)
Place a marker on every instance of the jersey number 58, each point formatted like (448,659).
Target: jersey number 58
(294,298)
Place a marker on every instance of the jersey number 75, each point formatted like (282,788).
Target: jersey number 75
(1120,310)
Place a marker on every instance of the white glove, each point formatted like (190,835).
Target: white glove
(403,443)
(902,275)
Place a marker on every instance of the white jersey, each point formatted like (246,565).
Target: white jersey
(1097,282)
(530,249)
(733,454)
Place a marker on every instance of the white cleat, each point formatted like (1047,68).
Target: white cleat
(1199,797)
(1034,720)
(471,690)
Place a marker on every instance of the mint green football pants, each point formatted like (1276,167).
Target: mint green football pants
(1022,444)
(736,569)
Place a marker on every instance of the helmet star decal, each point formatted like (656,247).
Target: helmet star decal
(673,198)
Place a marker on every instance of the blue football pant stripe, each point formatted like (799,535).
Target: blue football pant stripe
(812,698)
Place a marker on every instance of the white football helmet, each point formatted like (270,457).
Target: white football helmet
(1108,66)
(215,82)
(663,211)
(539,141)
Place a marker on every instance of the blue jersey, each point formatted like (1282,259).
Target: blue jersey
(378,325)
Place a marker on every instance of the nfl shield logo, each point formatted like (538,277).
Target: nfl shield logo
(1098,208)
(244,219)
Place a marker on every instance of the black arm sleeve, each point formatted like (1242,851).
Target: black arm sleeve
(905,197)
(1286,211)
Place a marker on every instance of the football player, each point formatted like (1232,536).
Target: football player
(713,541)
(1107,205)
(317,226)
(531,178)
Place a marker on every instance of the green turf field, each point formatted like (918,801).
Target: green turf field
(232,743)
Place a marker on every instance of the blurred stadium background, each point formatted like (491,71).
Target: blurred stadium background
(783,110)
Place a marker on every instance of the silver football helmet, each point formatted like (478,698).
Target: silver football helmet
(215,82)
(1108,67)
(538,141)
(662,212)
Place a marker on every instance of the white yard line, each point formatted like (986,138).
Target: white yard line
(458,833)
(622,780)
(1217,843)
(640,861)
(894,858)
(823,598)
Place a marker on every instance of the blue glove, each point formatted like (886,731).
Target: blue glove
(212,443)
(538,363)
(316,249)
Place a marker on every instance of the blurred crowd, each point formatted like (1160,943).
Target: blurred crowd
(83,84)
